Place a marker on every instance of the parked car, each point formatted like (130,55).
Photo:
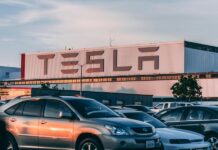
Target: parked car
(172,138)
(119,107)
(158,114)
(166,105)
(201,119)
(134,107)
(2,103)
(73,123)
(141,108)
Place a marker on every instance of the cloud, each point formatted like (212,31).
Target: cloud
(4,22)
(73,22)
(16,2)
(53,24)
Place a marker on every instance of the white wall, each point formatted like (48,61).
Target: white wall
(171,60)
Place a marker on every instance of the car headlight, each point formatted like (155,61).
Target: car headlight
(153,130)
(179,141)
(116,130)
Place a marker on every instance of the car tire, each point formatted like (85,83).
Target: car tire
(90,144)
(213,139)
(12,144)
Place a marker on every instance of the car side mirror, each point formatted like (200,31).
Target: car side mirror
(71,116)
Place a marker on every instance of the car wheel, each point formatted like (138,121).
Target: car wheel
(90,144)
(12,144)
(213,139)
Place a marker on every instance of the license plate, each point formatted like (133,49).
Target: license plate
(150,144)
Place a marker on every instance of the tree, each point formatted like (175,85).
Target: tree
(187,88)
(55,87)
(45,86)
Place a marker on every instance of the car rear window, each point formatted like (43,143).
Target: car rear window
(19,110)
(173,115)
(12,109)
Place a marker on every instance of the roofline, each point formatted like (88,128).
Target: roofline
(200,46)
(109,47)
(10,67)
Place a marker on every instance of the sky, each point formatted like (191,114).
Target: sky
(45,25)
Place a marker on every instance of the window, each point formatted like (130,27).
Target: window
(159,106)
(19,110)
(166,105)
(106,102)
(32,108)
(11,110)
(198,115)
(7,74)
(182,104)
(120,102)
(174,115)
(137,103)
(173,105)
(56,109)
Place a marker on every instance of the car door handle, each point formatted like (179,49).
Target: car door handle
(43,122)
(12,119)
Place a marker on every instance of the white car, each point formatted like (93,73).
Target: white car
(176,139)
(171,138)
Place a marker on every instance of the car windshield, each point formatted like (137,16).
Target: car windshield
(146,118)
(90,108)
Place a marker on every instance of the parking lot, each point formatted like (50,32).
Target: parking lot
(67,122)
(108,75)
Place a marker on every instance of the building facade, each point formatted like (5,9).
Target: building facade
(9,73)
(149,69)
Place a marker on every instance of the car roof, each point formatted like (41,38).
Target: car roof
(136,105)
(205,106)
(18,100)
(120,108)
(128,111)
(197,106)
(176,102)
(74,97)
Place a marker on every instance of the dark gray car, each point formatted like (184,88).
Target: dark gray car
(72,123)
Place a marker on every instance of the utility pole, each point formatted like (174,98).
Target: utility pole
(110,41)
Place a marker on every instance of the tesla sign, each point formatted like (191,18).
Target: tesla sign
(99,62)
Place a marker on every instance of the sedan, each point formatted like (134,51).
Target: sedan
(175,139)
(201,119)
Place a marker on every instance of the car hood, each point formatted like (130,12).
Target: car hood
(121,122)
(172,133)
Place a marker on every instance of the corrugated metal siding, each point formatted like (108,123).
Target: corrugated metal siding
(9,73)
(200,61)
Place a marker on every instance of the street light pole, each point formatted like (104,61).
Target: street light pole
(81,77)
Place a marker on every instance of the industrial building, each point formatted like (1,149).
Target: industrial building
(9,73)
(147,69)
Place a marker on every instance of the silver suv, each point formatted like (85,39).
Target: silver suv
(72,123)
